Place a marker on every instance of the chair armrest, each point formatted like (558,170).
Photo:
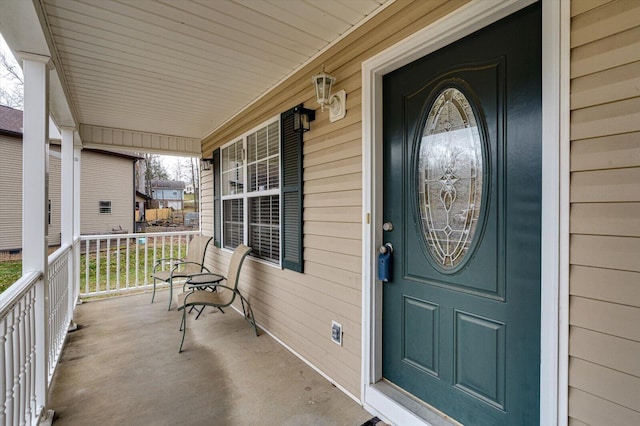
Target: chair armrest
(166,260)
(182,263)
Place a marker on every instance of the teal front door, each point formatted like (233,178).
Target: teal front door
(462,194)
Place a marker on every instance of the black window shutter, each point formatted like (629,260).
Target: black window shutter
(291,189)
(217,209)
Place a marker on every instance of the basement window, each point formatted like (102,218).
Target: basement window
(105,207)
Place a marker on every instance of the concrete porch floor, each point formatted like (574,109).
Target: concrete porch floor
(122,367)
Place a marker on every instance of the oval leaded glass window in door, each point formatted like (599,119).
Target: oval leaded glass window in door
(450,183)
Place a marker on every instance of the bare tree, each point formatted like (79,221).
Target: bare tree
(195,183)
(11,89)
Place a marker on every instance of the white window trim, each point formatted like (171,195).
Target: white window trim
(246,195)
(477,14)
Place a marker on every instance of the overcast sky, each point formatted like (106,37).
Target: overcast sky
(6,82)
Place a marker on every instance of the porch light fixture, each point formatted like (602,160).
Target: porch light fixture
(302,118)
(337,103)
(206,164)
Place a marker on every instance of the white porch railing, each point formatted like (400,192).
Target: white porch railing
(60,306)
(21,389)
(120,263)
(31,312)
(18,400)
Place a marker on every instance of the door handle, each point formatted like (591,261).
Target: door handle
(385,262)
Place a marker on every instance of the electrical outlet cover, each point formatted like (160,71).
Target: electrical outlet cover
(336,333)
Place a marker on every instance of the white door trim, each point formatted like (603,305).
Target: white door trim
(394,407)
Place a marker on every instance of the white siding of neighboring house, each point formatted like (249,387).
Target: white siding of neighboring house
(11,193)
(604,337)
(55,195)
(106,178)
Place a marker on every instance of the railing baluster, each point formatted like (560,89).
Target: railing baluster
(107,266)
(30,379)
(97,265)
(127,260)
(3,376)
(22,351)
(32,355)
(137,262)
(146,260)
(87,258)
(118,264)
(15,366)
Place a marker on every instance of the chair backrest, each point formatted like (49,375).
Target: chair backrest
(237,258)
(196,252)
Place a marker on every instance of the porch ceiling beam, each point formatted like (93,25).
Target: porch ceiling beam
(109,138)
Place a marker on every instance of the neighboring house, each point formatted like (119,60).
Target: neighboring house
(107,198)
(11,183)
(105,206)
(169,194)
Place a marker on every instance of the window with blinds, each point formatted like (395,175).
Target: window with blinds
(264,227)
(233,222)
(250,192)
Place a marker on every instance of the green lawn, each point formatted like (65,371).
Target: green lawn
(119,277)
(10,272)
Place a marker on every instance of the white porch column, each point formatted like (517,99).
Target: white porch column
(35,171)
(67,202)
(67,211)
(77,158)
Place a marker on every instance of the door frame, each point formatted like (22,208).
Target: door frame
(383,399)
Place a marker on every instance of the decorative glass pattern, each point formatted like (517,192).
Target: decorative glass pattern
(450,171)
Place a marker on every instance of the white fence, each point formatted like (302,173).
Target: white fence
(112,264)
(36,311)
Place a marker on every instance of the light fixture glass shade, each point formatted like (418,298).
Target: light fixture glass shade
(323,83)
(206,163)
(302,118)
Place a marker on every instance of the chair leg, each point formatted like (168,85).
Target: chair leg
(153,294)
(200,311)
(248,312)
(170,292)
(184,328)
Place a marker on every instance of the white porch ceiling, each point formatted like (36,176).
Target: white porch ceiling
(184,67)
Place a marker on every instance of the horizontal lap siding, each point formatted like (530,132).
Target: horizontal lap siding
(55,195)
(298,308)
(604,309)
(11,194)
(105,178)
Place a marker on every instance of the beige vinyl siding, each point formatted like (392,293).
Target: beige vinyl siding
(11,193)
(298,308)
(105,177)
(604,309)
(55,195)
